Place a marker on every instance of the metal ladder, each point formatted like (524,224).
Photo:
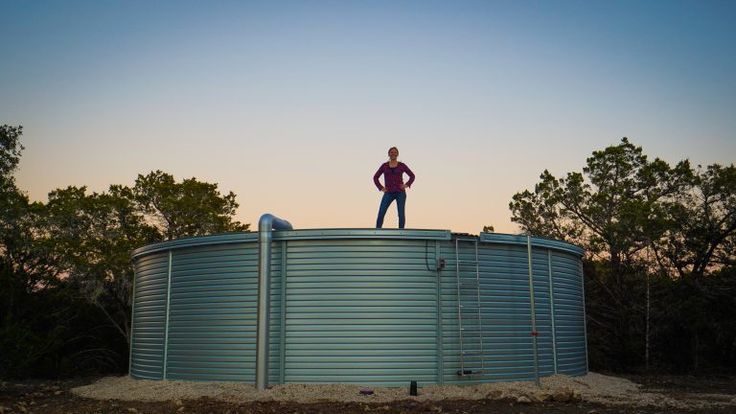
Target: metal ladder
(469,315)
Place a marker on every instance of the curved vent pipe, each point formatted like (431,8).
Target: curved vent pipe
(266,225)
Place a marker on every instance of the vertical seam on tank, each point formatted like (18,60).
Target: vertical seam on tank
(168,305)
(132,324)
(440,356)
(282,350)
(585,322)
(533,310)
(552,310)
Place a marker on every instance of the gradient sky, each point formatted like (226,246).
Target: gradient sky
(293,105)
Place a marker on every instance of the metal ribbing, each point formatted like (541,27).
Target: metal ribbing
(168,305)
(282,347)
(533,311)
(364,307)
(480,313)
(569,314)
(213,313)
(440,360)
(552,310)
(459,306)
(585,318)
(361,312)
(149,322)
(132,318)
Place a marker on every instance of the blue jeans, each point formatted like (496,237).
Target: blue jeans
(400,197)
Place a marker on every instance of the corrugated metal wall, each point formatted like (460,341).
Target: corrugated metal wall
(149,316)
(360,311)
(569,314)
(366,309)
(506,314)
(212,313)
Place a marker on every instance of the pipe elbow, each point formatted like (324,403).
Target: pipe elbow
(269,222)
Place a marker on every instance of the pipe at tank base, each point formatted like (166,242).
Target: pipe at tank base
(266,225)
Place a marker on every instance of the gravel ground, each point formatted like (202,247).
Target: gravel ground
(591,388)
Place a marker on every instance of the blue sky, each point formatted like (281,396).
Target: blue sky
(292,105)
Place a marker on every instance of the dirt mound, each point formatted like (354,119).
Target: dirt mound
(595,388)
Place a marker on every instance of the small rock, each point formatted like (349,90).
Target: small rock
(178,403)
(58,392)
(132,410)
(180,409)
(593,412)
(494,394)
(523,400)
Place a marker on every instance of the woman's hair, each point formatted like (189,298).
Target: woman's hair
(389,150)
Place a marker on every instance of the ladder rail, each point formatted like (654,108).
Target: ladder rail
(473,338)
(480,314)
(459,303)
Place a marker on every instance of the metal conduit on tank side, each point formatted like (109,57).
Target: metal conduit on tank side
(168,313)
(266,224)
(533,310)
(132,331)
(552,310)
(585,317)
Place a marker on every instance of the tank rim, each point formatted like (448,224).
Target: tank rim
(354,233)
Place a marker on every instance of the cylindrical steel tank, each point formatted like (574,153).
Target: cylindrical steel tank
(365,306)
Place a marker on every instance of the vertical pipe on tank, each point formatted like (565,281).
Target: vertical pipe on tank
(533,310)
(552,309)
(168,301)
(266,224)
(132,323)
(585,322)
(439,352)
(282,348)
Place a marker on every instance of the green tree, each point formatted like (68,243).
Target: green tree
(187,208)
(92,236)
(700,224)
(613,209)
(24,266)
(43,326)
(10,149)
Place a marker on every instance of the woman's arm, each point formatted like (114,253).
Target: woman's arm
(410,174)
(375,178)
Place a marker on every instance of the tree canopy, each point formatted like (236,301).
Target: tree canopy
(639,218)
(65,266)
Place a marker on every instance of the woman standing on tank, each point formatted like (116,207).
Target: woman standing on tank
(394,187)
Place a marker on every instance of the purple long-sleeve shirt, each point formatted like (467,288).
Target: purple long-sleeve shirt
(393,177)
